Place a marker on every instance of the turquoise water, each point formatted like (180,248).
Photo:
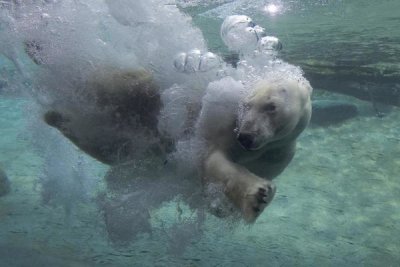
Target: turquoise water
(337,202)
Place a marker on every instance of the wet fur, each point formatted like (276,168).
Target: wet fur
(123,104)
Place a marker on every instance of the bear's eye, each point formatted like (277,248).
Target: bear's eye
(270,108)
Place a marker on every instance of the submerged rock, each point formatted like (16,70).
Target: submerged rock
(4,183)
(377,83)
(327,112)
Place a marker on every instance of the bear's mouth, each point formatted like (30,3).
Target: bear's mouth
(247,141)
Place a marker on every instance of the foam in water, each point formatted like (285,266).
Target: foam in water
(68,178)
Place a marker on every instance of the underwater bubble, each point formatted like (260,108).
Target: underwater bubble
(195,61)
(45,16)
(188,62)
(221,73)
(240,33)
(268,44)
(236,21)
(260,31)
(209,61)
(180,62)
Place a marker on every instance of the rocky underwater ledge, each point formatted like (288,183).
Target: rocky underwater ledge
(373,82)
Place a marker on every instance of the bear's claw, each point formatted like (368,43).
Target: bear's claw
(255,209)
(262,195)
(256,202)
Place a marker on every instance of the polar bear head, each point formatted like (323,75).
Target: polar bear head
(273,111)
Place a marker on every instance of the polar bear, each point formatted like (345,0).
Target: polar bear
(251,141)
(248,140)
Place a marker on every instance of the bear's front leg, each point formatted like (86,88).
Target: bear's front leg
(248,192)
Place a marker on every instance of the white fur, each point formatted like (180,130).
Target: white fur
(273,113)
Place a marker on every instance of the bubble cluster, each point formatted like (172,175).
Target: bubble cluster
(242,35)
(269,43)
(195,60)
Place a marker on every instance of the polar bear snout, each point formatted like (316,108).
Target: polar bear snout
(246,140)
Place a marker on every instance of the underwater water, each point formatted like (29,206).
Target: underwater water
(337,202)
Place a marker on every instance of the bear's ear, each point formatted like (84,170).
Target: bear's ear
(54,119)
(305,91)
(306,86)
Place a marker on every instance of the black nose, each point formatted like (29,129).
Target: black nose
(246,140)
